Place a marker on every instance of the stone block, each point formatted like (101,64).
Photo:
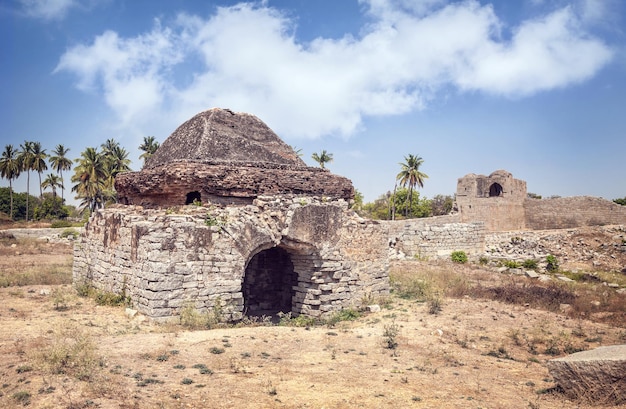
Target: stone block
(598,375)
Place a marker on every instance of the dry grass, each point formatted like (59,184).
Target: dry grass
(31,262)
(580,299)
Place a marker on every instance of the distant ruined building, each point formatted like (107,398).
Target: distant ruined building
(502,203)
(226,216)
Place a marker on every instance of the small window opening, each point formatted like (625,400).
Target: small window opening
(495,190)
(193,198)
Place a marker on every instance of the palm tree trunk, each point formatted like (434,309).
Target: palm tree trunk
(62,187)
(40,188)
(11,196)
(27,191)
(393,202)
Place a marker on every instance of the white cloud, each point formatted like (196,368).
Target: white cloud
(130,73)
(250,60)
(540,57)
(47,9)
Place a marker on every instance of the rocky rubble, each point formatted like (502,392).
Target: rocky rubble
(602,247)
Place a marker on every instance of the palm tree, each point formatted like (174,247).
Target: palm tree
(296,150)
(60,162)
(109,145)
(115,161)
(26,160)
(52,181)
(39,162)
(410,175)
(322,158)
(10,169)
(149,146)
(89,178)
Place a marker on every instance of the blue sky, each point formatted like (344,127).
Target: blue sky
(536,87)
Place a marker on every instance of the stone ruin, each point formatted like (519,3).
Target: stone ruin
(502,204)
(497,200)
(225,216)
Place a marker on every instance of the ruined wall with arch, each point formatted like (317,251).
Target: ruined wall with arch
(496,200)
(501,202)
(304,255)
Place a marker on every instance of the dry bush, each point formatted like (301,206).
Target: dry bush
(69,350)
(600,304)
(430,281)
(548,297)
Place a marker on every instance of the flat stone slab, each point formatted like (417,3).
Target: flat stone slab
(598,375)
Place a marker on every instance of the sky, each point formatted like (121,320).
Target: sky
(536,87)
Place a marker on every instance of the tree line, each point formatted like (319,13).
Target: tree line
(92,181)
(95,170)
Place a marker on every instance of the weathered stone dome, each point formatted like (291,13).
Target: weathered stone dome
(223,157)
(223,136)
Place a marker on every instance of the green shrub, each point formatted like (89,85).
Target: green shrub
(191,318)
(390,335)
(347,314)
(511,264)
(552,263)
(22,397)
(111,299)
(483,261)
(530,264)
(459,257)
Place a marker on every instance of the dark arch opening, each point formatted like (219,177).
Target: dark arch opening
(192,197)
(495,190)
(268,284)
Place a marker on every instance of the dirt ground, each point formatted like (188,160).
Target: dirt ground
(472,354)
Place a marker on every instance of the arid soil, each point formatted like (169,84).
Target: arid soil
(472,354)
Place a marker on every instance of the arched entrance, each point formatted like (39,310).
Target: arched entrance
(193,197)
(268,284)
(495,190)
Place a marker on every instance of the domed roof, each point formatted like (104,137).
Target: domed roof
(501,173)
(227,158)
(223,136)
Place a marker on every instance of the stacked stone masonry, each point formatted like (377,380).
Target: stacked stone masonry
(232,257)
(435,237)
(570,212)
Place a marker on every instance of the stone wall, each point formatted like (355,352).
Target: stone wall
(165,259)
(569,212)
(434,237)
